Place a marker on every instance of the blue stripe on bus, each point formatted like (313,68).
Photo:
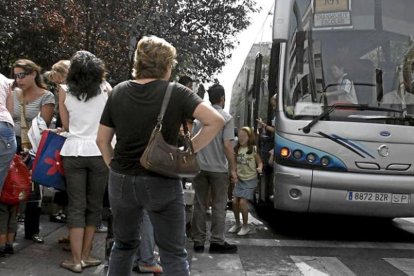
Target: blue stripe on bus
(354,145)
(336,140)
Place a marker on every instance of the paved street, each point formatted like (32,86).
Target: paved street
(266,251)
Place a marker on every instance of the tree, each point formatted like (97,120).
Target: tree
(203,31)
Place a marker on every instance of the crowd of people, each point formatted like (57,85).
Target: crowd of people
(107,131)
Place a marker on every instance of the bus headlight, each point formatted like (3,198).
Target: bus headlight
(294,154)
(297,154)
(311,158)
(284,152)
(325,161)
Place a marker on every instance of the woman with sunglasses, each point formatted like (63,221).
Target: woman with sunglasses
(30,98)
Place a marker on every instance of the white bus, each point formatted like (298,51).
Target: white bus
(344,140)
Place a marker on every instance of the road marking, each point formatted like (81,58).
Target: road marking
(321,266)
(404,264)
(216,264)
(321,244)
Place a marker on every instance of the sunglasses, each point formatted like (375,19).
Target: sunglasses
(21,75)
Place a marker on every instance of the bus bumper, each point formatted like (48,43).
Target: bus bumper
(313,191)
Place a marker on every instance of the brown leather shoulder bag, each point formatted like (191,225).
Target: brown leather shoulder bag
(165,159)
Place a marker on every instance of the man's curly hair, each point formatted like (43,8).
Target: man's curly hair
(86,73)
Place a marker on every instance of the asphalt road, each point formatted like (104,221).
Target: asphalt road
(278,245)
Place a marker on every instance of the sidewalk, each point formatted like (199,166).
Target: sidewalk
(32,259)
(43,259)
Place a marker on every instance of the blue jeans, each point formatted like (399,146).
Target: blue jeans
(145,253)
(163,198)
(8,147)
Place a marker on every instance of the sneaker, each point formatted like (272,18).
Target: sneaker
(20,218)
(59,218)
(101,229)
(8,249)
(235,228)
(198,248)
(225,248)
(245,229)
(35,238)
(144,268)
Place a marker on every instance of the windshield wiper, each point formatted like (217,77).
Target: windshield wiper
(331,108)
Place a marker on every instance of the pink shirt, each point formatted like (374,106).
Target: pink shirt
(4,90)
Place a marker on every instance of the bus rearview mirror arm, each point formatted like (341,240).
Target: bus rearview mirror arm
(379,85)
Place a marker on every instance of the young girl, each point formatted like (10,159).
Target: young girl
(248,165)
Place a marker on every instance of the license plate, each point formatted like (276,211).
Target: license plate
(378,197)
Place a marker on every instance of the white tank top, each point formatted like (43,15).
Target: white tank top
(84,120)
(4,89)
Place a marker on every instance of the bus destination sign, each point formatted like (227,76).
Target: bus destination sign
(332,13)
(323,6)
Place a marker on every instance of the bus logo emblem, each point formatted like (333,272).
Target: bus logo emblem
(385,133)
(383,150)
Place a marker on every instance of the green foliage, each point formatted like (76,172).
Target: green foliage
(203,31)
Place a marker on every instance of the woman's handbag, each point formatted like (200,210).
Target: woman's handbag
(18,184)
(165,159)
(47,167)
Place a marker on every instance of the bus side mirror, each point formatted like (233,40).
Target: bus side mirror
(281,20)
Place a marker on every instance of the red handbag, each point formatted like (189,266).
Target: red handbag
(18,184)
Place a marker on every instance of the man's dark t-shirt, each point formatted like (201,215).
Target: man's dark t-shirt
(132,110)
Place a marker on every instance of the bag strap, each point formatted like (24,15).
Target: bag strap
(24,128)
(185,127)
(164,105)
(23,121)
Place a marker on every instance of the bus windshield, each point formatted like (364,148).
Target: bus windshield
(360,56)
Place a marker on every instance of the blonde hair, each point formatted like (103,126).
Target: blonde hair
(61,67)
(153,57)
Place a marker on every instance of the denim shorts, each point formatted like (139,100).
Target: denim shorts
(7,149)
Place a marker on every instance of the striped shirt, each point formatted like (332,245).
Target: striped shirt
(32,109)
